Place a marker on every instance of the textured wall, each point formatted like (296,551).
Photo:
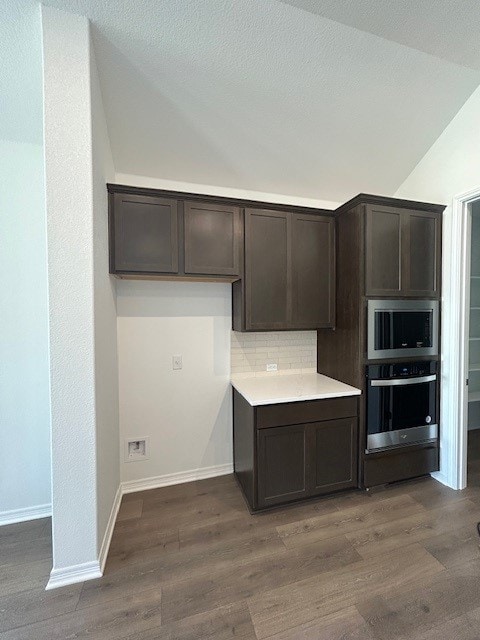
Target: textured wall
(106,369)
(68,158)
(186,414)
(291,351)
(24,388)
(24,378)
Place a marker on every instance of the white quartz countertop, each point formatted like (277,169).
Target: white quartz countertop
(291,388)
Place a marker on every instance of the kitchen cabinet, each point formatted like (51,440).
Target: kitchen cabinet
(212,239)
(313,271)
(291,451)
(334,449)
(402,252)
(385,248)
(145,234)
(152,235)
(268,285)
(289,275)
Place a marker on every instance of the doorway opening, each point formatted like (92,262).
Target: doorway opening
(473,412)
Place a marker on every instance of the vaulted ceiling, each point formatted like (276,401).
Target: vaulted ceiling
(314,98)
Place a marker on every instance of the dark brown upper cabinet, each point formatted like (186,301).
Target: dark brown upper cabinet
(145,234)
(268,270)
(212,239)
(289,274)
(402,252)
(313,271)
(155,236)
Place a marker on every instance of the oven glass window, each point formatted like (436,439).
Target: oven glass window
(400,407)
(403,329)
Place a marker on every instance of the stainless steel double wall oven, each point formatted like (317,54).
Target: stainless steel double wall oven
(401,395)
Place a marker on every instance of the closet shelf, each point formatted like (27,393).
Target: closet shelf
(474,396)
(474,308)
(473,339)
(474,367)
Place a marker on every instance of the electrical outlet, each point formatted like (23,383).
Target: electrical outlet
(136,449)
(177,362)
(272,367)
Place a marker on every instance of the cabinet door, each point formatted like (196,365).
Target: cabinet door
(282,464)
(313,271)
(333,447)
(146,236)
(212,239)
(383,251)
(421,254)
(267,270)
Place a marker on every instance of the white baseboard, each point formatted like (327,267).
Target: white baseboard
(441,477)
(72,575)
(155,482)
(107,538)
(22,515)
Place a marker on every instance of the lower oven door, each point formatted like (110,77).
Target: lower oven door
(401,411)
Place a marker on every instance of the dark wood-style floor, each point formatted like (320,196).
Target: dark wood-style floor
(188,562)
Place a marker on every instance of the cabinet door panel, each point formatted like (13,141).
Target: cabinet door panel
(282,464)
(146,237)
(212,234)
(267,270)
(333,444)
(422,255)
(383,251)
(313,265)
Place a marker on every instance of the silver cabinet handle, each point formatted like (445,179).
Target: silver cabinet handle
(398,382)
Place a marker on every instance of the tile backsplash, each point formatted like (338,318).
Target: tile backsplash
(291,351)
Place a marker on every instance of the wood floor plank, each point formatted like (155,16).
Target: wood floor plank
(141,544)
(130,510)
(232,622)
(288,606)
(227,586)
(26,607)
(16,551)
(419,527)
(24,577)
(456,547)
(408,612)
(122,618)
(348,520)
(346,624)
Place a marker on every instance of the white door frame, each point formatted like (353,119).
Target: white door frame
(455,333)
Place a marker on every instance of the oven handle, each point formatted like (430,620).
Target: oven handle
(397,382)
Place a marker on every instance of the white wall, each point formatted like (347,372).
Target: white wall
(185,414)
(106,367)
(452,165)
(24,383)
(24,388)
(68,170)
(85,472)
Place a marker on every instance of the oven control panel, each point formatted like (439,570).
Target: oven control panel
(402,370)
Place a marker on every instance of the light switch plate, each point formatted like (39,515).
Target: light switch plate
(272,367)
(177,362)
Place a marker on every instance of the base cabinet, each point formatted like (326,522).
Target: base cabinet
(293,451)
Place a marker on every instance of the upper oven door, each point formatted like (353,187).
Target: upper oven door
(402,328)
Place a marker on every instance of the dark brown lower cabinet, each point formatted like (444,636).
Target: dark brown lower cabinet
(295,450)
(282,464)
